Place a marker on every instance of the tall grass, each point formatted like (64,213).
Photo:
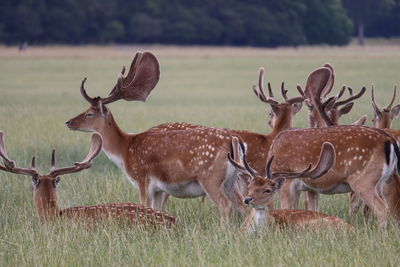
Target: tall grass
(210,86)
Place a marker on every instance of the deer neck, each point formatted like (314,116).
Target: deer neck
(46,206)
(115,141)
(281,124)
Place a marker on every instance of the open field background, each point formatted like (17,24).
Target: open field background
(210,86)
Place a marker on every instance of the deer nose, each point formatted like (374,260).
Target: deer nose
(248,200)
(68,123)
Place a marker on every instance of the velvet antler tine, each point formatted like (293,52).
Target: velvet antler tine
(389,107)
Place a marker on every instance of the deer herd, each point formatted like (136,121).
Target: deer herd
(237,170)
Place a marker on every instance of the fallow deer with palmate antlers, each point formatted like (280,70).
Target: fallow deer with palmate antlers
(333,110)
(183,164)
(261,190)
(281,118)
(383,119)
(46,201)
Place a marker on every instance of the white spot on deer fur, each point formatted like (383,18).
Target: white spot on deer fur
(339,153)
(200,162)
(360,157)
(349,163)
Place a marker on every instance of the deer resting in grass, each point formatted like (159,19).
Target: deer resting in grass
(261,190)
(46,201)
(183,164)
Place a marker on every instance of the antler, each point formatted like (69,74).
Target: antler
(142,77)
(351,98)
(85,164)
(325,163)
(389,107)
(259,91)
(317,82)
(10,165)
(237,157)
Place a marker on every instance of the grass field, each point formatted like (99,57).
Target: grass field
(210,86)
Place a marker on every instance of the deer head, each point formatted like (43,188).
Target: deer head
(281,113)
(44,185)
(319,85)
(260,189)
(384,118)
(141,79)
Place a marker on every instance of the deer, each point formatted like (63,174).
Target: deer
(280,118)
(333,110)
(365,157)
(382,119)
(46,200)
(181,163)
(261,190)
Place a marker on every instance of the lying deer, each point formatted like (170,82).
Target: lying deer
(46,201)
(383,119)
(333,109)
(261,190)
(183,164)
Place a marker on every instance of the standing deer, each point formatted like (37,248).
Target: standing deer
(366,157)
(261,190)
(183,164)
(332,110)
(46,201)
(281,118)
(383,119)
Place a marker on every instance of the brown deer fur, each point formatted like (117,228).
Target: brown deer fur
(46,201)
(261,191)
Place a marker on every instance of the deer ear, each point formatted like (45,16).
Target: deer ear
(297,107)
(246,178)
(395,111)
(277,183)
(102,108)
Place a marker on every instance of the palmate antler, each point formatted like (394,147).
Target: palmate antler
(142,77)
(325,163)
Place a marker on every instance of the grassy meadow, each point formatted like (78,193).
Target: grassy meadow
(204,85)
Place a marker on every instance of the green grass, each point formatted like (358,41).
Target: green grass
(210,86)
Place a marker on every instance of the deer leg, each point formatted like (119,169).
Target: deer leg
(371,198)
(164,199)
(285,194)
(214,190)
(354,204)
(311,200)
(143,194)
(157,202)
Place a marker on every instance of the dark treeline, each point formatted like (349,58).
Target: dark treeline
(226,22)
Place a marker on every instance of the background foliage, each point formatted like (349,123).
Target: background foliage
(217,22)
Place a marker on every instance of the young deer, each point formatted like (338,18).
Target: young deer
(261,190)
(46,201)
(183,164)
(383,119)
(316,90)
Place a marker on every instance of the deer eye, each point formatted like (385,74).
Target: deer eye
(267,191)
(56,181)
(35,180)
(88,115)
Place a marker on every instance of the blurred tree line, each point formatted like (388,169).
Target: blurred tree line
(216,22)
